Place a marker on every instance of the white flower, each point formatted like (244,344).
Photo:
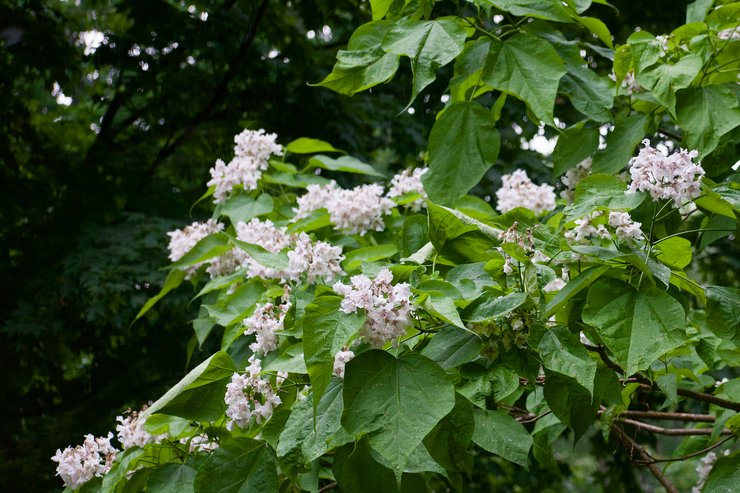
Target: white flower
(625,227)
(517,190)
(249,397)
(265,322)
(200,443)
(409,181)
(318,260)
(131,432)
(251,154)
(555,285)
(340,360)
(76,466)
(183,240)
(673,177)
(572,177)
(388,307)
(729,33)
(703,468)
(358,210)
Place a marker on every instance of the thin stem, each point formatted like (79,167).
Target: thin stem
(328,487)
(689,456)
(631,447)
(691,231)
(698,418)
(670,431)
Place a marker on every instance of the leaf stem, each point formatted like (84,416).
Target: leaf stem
(671,431)
(700,230)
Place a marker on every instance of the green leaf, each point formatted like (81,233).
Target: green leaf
(243,207)
(355,258)
(598,28)
(637,326)
(573,287)
(697,10)
(725,475)
(463,144)
(570,402)
(723,312)
(500,434)
(665,79)
(327,431)
(172,478)
(674,252)
(588,93)
(706,113)
(562,352)
(326,329)
(601,191)
(200,395)
(305,145)
(290,360)
(452,346)
(316,220)
(622,63)
(470,280)
(449,441)
(488,309)
(529,68)
(429,45)
(264,257)
(174,279)
(346,164)
(629,130)
(363,64)
(459,237)
(574,144)
(296,430)
(414,234)
(207,248)
(357,471)
(380,8)
(549,10)
(239,465)
(397,402)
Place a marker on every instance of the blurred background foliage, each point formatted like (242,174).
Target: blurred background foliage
(111,114)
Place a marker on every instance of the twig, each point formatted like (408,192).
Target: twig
(533,418)
(670,134)
(689,456)
(699,418)
(631,446)
(601,350)
(328,487)
(671,431)
(700,396)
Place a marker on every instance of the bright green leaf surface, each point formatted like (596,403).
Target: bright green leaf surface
(463,144)
(637,326)
(499,433)
(396,401)
(239,465)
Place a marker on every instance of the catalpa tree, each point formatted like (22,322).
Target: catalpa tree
(405,335)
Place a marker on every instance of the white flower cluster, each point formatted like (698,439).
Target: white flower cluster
(249,397)
(251,154)
(183,240)
(518,190)
(131,432)
(387,306)
(673,177)
(585,230)
(318,260)
(265,322)
(76,466)
(409,181)
(200,443)
(357,210)
(341,359)
(626,228)
(571,178)
(703,468)
(555,285)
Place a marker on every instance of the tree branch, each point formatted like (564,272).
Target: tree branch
(631,447)
(699,418)
(218,92)
(688,456)
(671,431)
